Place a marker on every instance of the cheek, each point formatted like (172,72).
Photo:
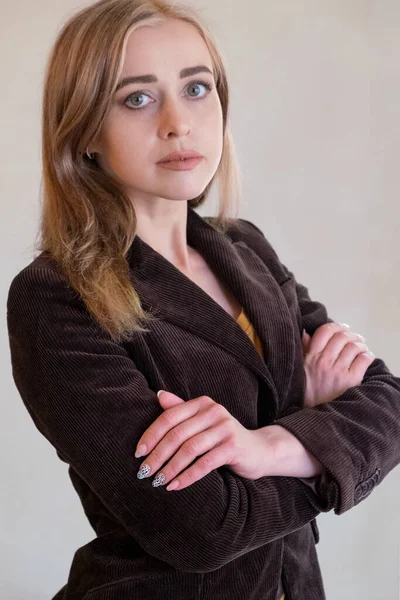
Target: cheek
(125,150)
(213,124)
(212,116)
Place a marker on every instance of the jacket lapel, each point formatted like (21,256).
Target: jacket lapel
(169,294)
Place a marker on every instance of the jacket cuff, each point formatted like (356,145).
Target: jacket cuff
(336,487)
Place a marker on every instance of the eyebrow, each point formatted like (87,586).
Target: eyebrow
(188,72)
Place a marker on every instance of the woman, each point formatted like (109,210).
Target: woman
(135,293)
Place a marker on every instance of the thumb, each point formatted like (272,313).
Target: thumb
(168,399)
(305,338)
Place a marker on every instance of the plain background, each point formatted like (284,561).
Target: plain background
(315,101)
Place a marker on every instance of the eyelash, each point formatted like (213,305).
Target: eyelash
(206,84)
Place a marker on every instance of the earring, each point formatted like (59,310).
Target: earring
(89,155)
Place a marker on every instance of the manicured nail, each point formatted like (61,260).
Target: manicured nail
(159,392)
(159,480)
(143,471)
(141,451)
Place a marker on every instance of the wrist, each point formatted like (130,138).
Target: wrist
(290,458)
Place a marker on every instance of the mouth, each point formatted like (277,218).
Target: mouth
(185,164)
(180,156)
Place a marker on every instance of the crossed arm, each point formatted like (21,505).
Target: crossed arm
(87,397)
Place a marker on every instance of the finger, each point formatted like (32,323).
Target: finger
(350,351)
(181,436)
(361,364)
(168,399)
(337,343)
(215,458)
(322,335)
(305,341)
(198,445)
(169,419)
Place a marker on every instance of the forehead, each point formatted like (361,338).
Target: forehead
(168,46)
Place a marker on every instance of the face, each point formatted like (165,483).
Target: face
(149,120)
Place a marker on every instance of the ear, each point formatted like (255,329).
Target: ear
(167,399)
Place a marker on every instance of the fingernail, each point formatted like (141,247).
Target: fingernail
(173,485)
(141,451)
(345,325)
(159,480)
(159,392)
(143,471)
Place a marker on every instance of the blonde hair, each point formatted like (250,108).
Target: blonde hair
(87,222)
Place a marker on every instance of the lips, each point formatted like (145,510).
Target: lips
(180,156)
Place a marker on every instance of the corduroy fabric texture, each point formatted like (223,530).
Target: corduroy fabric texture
(224,537)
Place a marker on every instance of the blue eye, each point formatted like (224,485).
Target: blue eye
(135,95)
(205,84)
(192,86)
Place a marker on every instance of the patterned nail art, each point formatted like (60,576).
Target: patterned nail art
(144,471)
(159,480)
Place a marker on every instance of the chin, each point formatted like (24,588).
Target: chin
(181,192)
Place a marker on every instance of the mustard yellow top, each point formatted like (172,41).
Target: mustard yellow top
(248,328)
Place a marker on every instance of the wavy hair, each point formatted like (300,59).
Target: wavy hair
(88,222)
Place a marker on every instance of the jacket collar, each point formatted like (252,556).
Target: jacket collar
(172,296)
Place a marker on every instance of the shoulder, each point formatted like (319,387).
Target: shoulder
(38,267)
(44,260)
(38,285)
(243,230)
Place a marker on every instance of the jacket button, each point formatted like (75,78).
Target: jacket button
(366,487)
(376,475)
(358,494)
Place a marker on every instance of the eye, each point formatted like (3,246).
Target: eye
(136,95)
(193,86)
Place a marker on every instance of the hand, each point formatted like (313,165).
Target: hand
(290,458)
(335,360)
(200,427)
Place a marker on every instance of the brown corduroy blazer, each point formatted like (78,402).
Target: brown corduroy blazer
(224,536)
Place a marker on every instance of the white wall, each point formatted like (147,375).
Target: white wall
(315,97)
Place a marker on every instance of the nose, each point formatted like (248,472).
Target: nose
(174,120)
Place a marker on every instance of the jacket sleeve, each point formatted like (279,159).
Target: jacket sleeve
(356,437)
(88,399)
